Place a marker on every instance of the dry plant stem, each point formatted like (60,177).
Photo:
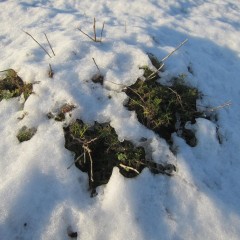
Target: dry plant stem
(128,168)
(94,38)
(171,53)
(94,29)
(96,64)
(227,104)
(165,58)
(86,34)
(50,72)
(88,150)
(75,161)
(102,31)
(178,96)
(152,74)
(38,44)
(49,44)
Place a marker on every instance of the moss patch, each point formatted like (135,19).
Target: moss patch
(11,85)
(25,134)
(97,150)
(164,109)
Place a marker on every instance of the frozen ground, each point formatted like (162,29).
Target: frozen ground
(40,198)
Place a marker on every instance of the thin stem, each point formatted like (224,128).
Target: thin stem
(94,29)
(75,161)
(38,44)
(171,53)
(102,32)
(96,64)
(49,44)
(86,35)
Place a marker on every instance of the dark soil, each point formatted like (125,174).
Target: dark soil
(97,150)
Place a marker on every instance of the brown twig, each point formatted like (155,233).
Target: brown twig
(38,44)
(96,64)
(165,58)
(94,29)
(50,72)
(75,161)
(94,38)
(102,31)
(49,44)
(86,34)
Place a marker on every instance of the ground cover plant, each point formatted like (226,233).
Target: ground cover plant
(164,109)
(11,85)
(25,133)
(97,150)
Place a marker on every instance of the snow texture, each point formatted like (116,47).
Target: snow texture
(40,198)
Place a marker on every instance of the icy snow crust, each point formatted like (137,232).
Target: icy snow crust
(40,198)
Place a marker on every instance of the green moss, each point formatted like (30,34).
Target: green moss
(11,85)
(25,134)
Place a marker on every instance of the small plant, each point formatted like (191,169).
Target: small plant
(94,38)
(26,134)
(160,107)
(11,85)
(97,150)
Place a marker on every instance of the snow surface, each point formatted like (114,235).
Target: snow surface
(40,198)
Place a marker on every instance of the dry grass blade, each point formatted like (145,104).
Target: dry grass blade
(165,58)
(38,44)
(96,64)
(49,44)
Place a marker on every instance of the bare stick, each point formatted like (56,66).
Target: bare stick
(165,58)
(226,104)
(102,31)
(86,34)
(96,64)
(171,53)
(86,148)
(75,161)
(49,44)
(50,72)
(152,74)
(94,29)
(127,168)
(38,44)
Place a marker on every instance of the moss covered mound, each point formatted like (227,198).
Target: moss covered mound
(11,85)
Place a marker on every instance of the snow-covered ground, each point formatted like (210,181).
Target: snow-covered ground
(40,198)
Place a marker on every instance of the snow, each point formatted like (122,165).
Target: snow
(40,198)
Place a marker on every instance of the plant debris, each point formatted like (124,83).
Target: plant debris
(97,150)
(164,109)
(61,112)
(26,134)
(11,85)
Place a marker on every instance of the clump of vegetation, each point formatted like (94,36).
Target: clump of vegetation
(11,85)
(62,111)
(162,108)
(97,150)
(26,134)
